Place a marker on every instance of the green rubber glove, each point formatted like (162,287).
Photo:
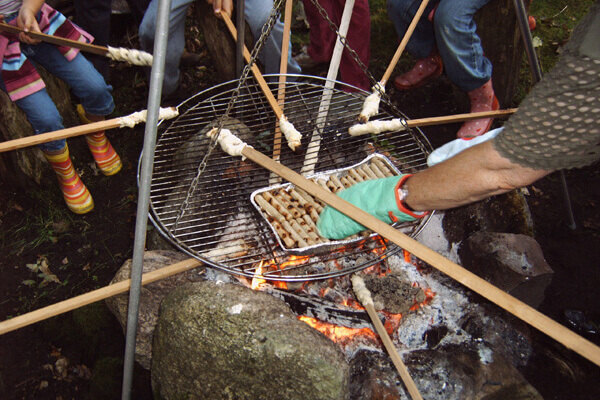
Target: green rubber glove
(378,197)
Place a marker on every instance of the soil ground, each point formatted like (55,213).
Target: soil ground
(49,255)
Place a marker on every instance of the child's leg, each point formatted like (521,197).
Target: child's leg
(94,94)
(44,117)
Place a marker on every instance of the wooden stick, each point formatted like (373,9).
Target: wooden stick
(59,41)
(403,43)
(79,130)
(570,339)
(398,124)
(136,57)
(448,119)
(255,71)
(93,296)
(312,151)
(285,46)
(364,296)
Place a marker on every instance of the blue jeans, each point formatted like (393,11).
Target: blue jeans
(453,31)
(86,83)
(257,13)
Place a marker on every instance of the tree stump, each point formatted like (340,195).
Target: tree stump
(221,46)
(501,38)
(25,167)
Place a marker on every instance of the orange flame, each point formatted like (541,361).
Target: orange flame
(256,282)
(338,334)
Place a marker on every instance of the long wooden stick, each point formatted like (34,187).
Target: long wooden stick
(93,296)
(255,71)
(314,146)
(379,126)
(132,56)
(79,130)
(364,296)
(570,339)
(59,41)
(448,119)
(285,47)
(403,43)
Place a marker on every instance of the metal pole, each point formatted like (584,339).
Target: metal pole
(141,223)
(536,74)
(240,21)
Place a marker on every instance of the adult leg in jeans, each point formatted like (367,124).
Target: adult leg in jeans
(466,66)
(175,41)
(257,14)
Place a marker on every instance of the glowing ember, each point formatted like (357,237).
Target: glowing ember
(339,334)
(256,282)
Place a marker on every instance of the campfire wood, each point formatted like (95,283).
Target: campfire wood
(519,309)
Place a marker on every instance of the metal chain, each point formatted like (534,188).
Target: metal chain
(264,35)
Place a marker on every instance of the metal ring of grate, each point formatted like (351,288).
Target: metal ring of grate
(219,225)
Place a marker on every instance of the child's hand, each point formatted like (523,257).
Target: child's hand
(27,21)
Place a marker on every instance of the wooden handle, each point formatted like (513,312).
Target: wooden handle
(448,119)
(403,43)
(570,339)
(90,48)
(60,134)
(261,80)
(391,349)
(93,296)
(285,46)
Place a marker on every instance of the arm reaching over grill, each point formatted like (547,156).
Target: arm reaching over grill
(381,198)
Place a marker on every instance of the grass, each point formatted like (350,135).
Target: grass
(555,22)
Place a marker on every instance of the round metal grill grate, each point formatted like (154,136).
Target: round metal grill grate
(218,224)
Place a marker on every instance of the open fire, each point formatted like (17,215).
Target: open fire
(339,293)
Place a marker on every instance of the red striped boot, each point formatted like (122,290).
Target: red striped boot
(76,195)
(104,154)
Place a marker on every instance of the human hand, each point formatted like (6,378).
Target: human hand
(27,21)
(378,197)
(221,6)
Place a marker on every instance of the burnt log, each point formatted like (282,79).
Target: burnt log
(26,167)
(502,42)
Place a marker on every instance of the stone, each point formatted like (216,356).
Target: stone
(512,262)
(223,341)
(466,372)
(508,212)
(150,298)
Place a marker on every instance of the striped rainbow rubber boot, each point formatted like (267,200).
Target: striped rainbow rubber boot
(76,195)
(104,154)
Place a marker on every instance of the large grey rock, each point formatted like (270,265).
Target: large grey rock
(508,212)
(466,372)
(514,263)
(150,298)
(224,341)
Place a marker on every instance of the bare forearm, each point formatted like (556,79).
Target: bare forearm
(34,5)
(472,175)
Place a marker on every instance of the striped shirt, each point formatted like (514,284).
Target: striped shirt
(18,73)
(9,6)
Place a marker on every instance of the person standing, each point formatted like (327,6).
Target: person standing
(446,38)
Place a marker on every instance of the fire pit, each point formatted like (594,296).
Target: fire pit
(200,197)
